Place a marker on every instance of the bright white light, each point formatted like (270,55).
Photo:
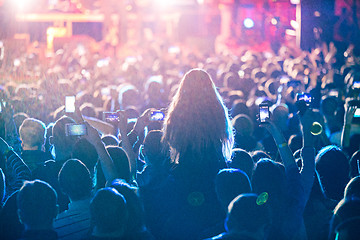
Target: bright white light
(294,24)
(290,32)
(22,4)
(295,1)
(248,23)
(274,21)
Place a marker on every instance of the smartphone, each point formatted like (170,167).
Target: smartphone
(157,116)
(73,129)
(264,112)
(111,116)
(357,113)
(356,84)
(306,97)
(70,104)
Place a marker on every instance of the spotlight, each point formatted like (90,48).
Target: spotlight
(295,1)
(274,21)
(294,24)
(248,23)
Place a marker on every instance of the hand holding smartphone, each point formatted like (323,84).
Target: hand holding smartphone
(264,112)
(157,116)
(111,117)
(73,129)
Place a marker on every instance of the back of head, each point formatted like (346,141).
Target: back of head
(136,221)
(354,164)
(32,133)
(108,211)
(345,214)
(86,153)
(121,162)
(329,106)
(19,119)
(88,109)
(333,168)
(36,202)
(243,161)
(58,134)
(75,180)
(280,116)
(153,148)
(352,189)
(247,214)
(110,140)
(230,183)
(243,125)
(269,176)
(259,154)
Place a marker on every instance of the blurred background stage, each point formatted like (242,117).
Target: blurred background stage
(206,24)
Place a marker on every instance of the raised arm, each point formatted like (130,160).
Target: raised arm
(281,143)
(125,142)
(107,163)
(345,136)
(307,152)
(15,170)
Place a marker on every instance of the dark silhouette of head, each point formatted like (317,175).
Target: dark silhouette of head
(108,213)
(75,180)
(355,164)
(121,162)
(352,189)
(333,168)
(248,215)
(243,161)
(229,183)
(136,220)
(110,140)
(345,220)
(269,176)
(63,144)
(153,149)
(86,153)
(37,205)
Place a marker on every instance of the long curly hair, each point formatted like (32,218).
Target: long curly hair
(197,123)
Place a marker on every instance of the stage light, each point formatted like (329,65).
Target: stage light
(248,23)
(290,32)
(22,5)
(295,1)
(274,21)
(294,24)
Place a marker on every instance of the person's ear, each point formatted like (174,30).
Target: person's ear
(19,216)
